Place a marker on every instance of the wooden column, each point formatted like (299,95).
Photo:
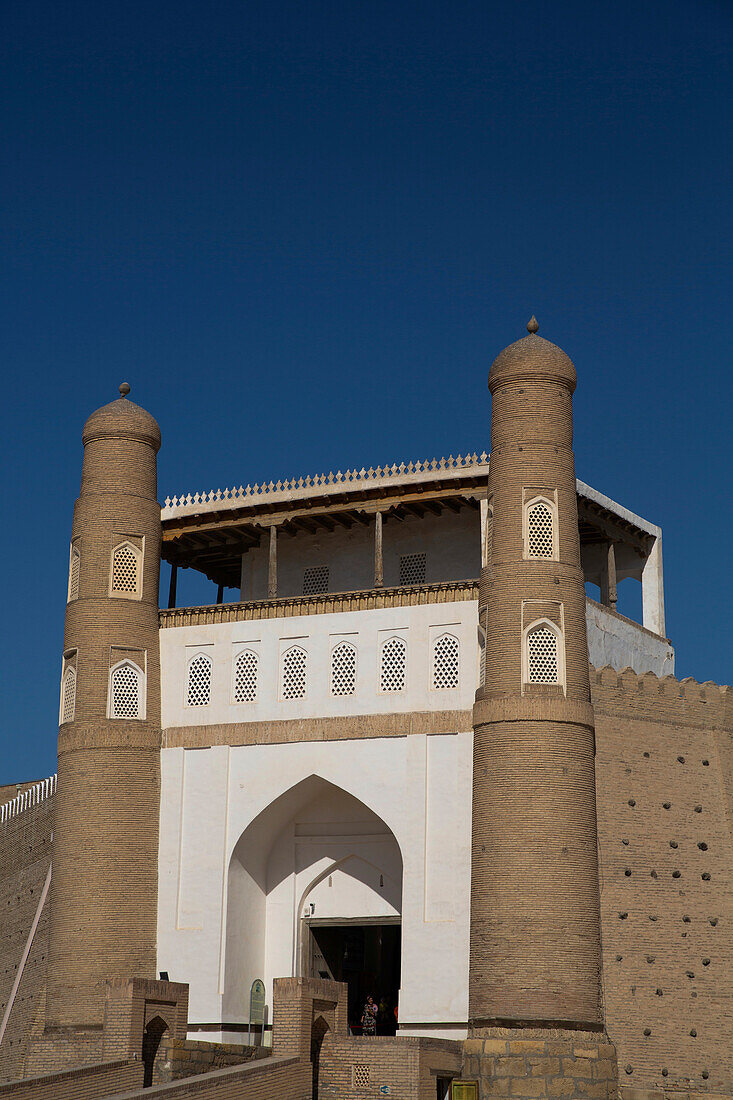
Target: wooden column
(611,574)
(220,594)
(378,559)
(272,568)
(172,588)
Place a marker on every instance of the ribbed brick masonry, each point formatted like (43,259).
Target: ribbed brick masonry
(104,887)
(535,925)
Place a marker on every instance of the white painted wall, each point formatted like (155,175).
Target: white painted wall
(318,634)
(415,788)
(616,641)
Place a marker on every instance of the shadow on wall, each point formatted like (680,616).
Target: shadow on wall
(154,1032)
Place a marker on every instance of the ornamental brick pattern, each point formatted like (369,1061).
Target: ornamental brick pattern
(535,923)
(104,887)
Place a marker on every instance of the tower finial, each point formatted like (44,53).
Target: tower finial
(125,388)
(532,325)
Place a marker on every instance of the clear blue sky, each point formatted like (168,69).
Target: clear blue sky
(302,231)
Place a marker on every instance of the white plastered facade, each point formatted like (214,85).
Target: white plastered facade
(371,828)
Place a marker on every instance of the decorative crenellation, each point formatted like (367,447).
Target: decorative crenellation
(648,683)
(178,505)
(39,792)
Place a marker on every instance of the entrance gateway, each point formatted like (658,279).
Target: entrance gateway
(365,954)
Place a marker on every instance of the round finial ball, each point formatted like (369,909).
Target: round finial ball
(124,389)
(532,325)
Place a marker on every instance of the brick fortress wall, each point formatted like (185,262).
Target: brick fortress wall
(25,855)
(664,773)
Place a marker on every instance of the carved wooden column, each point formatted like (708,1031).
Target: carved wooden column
(172,587)
(378,557)
(611,570)
(609,591)
(272,567)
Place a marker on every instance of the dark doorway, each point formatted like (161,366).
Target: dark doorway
(319,1030)
(367,958)
(151,1041)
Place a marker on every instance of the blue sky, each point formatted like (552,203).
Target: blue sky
(303,231)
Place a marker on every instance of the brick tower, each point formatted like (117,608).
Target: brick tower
(535,924)
(105,854)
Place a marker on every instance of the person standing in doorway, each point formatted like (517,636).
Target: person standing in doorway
(369,1017)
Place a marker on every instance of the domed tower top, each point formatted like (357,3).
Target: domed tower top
(122,419)
(532,359)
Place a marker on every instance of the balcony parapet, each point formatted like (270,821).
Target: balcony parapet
(325,603)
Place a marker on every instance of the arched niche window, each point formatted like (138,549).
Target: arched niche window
(445,662)
(198,681)
(126,690)
(540,529)
(126,571)
(246,665)
(293,673)
(67,706)
(343,669)
(393,665)
(543,654)
(74,567)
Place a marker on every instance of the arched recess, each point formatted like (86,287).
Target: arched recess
(154,1032)
(315,847)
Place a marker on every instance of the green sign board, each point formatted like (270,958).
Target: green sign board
(257,1003)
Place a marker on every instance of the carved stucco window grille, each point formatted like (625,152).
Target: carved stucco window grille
(293,680)
(74,568)
(540,529)
(198,685)
(125,579)
(245,676)
(445,662)
(412,569)
(125,691)
(315,580)
(543,659)
(343,669)
(393,670)
(68,695)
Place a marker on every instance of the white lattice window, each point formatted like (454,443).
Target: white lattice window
(74,566)
(198,683)
(343,669)
(543,656)
(412,569)
(540,533)
(68,695)
(393,665)
(294,673)
(315,580)
(445,662)
(245,676)
(360,1076)
(126,691)
(481,657)
(125,579)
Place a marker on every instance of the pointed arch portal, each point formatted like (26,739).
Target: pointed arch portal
(315,889)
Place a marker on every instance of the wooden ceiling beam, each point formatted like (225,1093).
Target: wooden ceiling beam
(613,530)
